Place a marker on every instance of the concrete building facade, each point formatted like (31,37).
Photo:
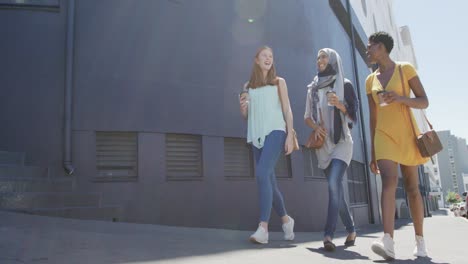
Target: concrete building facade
(138,100)
(453,163)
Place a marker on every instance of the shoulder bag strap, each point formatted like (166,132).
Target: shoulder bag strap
(403,85)
(404,94)
(321,116)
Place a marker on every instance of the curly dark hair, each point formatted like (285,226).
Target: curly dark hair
(384,38)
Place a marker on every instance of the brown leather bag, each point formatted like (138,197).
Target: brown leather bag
(315,141)
(428,143)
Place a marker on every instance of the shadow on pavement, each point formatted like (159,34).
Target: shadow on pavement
(59,239)
(426,260)
(339,253)
(370,230)
(273,244)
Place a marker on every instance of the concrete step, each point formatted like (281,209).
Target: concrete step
(23,171)
(34,184)
(28,200)
(12,158)
(105,213)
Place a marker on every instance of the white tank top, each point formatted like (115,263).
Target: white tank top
(265,114)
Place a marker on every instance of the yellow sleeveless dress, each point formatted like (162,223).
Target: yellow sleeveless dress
(394,138)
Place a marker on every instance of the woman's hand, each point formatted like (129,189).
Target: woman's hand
(244,104)
(322,132)
(391,96)
(333,99)
(374,167)
(289,144)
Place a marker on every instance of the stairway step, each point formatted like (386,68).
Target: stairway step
(33,184)
(105,213)
(12,158)
(23,171)
(25,200)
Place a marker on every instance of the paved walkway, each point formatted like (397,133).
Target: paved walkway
(38,239)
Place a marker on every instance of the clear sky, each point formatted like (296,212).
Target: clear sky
(440,39)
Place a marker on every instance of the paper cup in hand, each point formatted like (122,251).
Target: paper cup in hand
(329,96)
(381,94)
(244,94)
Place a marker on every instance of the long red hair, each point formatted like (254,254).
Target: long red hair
(256,78)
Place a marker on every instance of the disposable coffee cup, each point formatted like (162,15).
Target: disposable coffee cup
(244,94)
(381,94)
(329,95)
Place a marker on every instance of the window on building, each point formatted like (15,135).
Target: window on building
(311,165)
(390,15)
(342,15)
(30,3)
(357,183)
(116,156)
(184,157)
(375,23)
(400,190)
(455,182)
(283,167)
(238,159)
(398,40)
(364,6)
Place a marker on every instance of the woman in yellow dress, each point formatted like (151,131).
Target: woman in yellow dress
(393,141)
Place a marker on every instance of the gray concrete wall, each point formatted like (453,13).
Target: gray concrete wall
(157,67)
(462,162)
(460,154)
(32,52)
(444,163)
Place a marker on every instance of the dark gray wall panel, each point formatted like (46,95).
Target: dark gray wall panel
(32,51)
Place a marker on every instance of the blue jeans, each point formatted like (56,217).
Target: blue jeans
(336,201)
(265,161)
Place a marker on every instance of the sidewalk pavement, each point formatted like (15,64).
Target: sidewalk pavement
(38,239)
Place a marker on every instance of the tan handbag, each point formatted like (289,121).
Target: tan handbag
(315,141)
(428,143)
(295,141)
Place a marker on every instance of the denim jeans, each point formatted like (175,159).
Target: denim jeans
(336,201)
(265,161)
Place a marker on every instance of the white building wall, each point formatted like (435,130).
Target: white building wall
(465,181)
(377,15)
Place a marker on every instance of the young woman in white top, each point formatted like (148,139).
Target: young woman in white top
(265,104)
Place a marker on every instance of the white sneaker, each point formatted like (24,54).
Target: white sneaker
(288,229)
(260,236)
(384,247)
(420,250)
